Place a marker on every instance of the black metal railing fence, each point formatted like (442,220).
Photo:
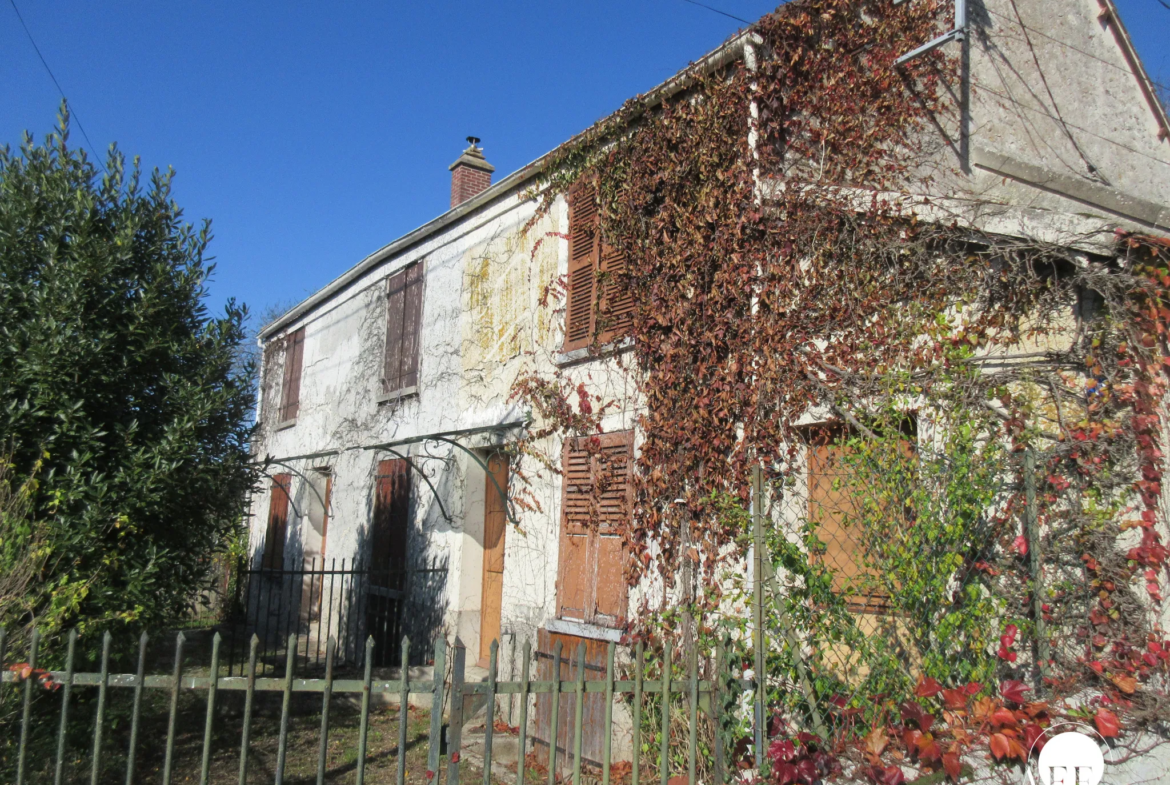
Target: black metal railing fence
(347,600)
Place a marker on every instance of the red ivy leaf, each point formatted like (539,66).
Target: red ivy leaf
(1003,717)
(1013,690)
(890,775)
(1034,738)
(999,745)
(1107,723)
(927,688)
(786,774)
(912,711)
(955,699)
(782,751)
(951,764)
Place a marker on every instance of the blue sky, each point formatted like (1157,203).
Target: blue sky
(314,133)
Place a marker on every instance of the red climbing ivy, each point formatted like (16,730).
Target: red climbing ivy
(778,266)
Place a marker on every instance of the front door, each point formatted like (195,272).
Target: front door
(495,526)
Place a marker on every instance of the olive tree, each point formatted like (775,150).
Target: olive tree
(121,397)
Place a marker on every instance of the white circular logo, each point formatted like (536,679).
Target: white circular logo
(1071,759)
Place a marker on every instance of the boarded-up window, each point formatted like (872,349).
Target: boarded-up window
(599,304)
(838,506)
(278,504)
(596,507)
(404,298)
(290,391)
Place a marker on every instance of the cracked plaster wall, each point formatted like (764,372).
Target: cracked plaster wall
(482,325)
(1059,140)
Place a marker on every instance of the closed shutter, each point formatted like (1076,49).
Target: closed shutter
(574,554)
(597,494)
(613,491)
(274,537)
(411,325)
(403,321)
(395,308)
(605,315)
(391,521)
(617,302)
(290,399)
(583,247)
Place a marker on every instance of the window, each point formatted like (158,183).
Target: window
(403,317)
(836,500)
(591,584)
(290,390)
(277,523)
(598,303)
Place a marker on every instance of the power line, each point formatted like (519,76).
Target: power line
(716,10)
(72,113)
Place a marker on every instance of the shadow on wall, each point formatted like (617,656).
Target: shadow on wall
(392,585)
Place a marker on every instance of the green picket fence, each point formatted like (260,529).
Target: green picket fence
(698,696)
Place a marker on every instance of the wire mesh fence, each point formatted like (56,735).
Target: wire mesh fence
(910,581)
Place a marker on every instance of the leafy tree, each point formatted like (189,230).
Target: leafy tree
(119,392)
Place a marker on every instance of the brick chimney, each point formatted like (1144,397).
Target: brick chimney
(470,174)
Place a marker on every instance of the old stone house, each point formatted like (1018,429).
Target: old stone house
(386,394)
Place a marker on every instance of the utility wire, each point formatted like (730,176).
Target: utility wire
(72,113)
(716,10)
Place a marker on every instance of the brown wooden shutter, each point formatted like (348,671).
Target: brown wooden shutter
(613,491)
(596,502)
(391,521)
(273,558)
(395,308)
(574,578)
(411,324)
(404,298)
(583,261)
(290,399)
(617,303)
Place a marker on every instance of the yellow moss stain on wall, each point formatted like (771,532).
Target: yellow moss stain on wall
(504,281)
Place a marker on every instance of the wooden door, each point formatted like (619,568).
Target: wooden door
(495,527)
(593,713)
